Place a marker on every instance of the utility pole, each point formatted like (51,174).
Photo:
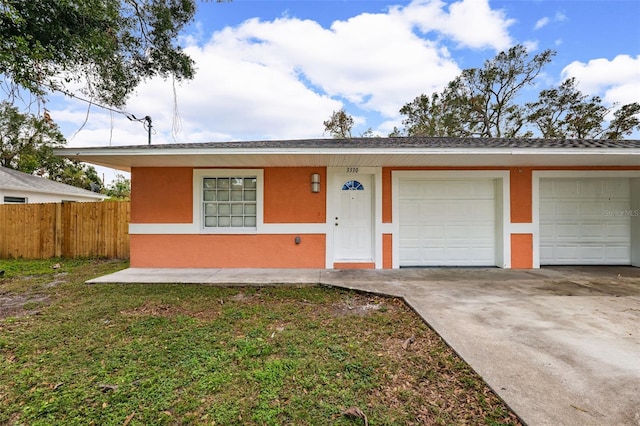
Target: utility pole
(146,122)
(149,127)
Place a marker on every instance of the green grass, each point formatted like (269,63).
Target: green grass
(191,354)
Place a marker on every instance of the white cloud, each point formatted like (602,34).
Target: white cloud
(616,80)
(560,17)
(472,23)
(541,23)
(283,78)
(544,21)
(531,45)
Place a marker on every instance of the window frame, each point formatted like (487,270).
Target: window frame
(198,199)
(10,199)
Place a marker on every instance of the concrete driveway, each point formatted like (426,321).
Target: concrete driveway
(561,346)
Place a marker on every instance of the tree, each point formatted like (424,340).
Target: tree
(77,174)
(27,143)
(565,112)
(339,125)
(483,103)
(106,46)
(480,101)
(429,116)
(625,121)
(548,113)
(119,189)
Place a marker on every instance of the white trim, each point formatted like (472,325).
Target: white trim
(585,173)
(386,228)
(162,228)
(200,174)
(635,221)
(503,236)
(190,228)
(128,151)
(521,228)
(545,174)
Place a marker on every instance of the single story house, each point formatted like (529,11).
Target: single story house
(22,188)
(381,202)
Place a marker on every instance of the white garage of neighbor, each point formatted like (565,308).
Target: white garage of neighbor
(585,221)
(587,218)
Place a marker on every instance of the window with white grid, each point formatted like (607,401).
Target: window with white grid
(229,202)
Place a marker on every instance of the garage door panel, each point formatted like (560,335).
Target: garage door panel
(617,188)
(590,208)
(411,209)
(576,221)
(593,231)
(564,189)
(447,223)
(618,232)
(590,188)
(566,209)
(617,253)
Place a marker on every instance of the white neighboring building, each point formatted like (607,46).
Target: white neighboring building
(21,188)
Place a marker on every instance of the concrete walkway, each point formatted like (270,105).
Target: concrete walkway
(561,346)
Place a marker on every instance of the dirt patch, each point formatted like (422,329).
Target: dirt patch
(358,305)
(18,305)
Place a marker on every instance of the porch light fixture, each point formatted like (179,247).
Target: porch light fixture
(315,183)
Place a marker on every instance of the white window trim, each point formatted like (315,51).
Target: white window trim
(198,179)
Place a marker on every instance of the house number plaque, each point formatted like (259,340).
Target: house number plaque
(352,170)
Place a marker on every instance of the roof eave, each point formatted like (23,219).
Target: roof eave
(125,158)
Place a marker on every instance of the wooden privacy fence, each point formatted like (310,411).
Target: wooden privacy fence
(41,231)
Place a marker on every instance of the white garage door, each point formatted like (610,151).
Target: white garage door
(585,221)
(447,222)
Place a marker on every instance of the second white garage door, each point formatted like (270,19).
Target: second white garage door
(447,222)
(585,221)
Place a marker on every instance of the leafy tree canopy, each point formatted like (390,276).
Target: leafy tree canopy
(339,125)
(27,143)
(480,101)
(119,189)
(483,102)
(106,46)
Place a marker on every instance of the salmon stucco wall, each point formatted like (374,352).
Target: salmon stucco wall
(521,251)
(521,181)
(288,197)
(387,251)
(227,251)
(351,265)
(161,195)
(387,208)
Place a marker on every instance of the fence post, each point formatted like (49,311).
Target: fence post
(58,235)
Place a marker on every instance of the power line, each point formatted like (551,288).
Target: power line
(146,120)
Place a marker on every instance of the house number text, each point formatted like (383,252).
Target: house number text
(352,170)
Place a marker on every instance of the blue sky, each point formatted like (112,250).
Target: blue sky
(278,69)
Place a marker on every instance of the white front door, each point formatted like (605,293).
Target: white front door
(353,218)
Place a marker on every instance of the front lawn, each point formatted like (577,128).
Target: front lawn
(82,354)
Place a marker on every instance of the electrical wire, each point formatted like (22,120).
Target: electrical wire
(146,121)
(72,95)
(86,118)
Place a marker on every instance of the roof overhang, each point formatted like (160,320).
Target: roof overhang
(126,158)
